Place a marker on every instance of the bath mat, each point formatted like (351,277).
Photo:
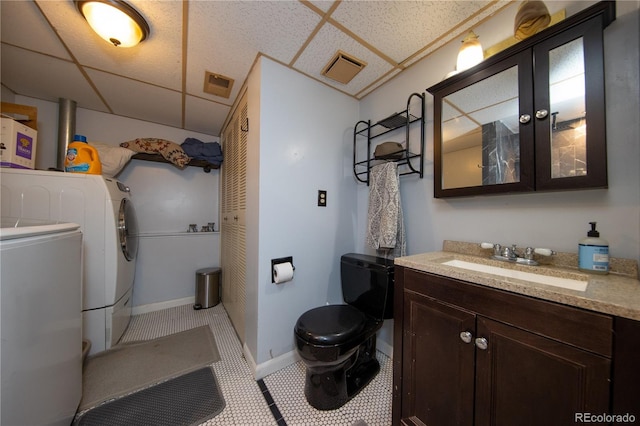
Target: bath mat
(128,367)
(190,399)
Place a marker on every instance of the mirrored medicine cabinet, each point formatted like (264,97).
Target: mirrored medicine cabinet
(530,118)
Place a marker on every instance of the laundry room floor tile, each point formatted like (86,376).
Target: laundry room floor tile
(245,401)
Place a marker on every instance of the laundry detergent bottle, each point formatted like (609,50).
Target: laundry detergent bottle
(82,157)
(593,252)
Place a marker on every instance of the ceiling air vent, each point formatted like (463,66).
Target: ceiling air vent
(343,67)
(218,85)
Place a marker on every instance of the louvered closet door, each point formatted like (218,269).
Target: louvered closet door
(226,226)
(233,228)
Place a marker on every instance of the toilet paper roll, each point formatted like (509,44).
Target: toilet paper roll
(282,272)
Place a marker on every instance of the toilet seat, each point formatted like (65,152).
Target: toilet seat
(330,325)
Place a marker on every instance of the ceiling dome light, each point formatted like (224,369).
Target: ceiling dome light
(471,52)
(115,21)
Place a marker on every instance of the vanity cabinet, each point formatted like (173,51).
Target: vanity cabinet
(466,354)
(529,118)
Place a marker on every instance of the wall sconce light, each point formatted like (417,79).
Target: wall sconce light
(115,21)
(471,52)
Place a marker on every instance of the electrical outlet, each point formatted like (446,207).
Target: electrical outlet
(322,198)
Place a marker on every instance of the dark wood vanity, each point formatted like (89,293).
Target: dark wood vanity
(469,354)
(529,118)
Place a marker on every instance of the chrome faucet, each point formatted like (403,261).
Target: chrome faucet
(512,254)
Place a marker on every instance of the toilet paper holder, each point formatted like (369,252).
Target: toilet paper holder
(274,262)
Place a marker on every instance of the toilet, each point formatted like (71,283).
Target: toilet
(337,343)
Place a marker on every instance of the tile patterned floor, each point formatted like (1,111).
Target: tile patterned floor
(372,405)
(245,401)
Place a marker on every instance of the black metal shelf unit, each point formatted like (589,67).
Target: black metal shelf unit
(408,162)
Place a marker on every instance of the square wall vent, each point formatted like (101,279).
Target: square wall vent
(343,67)
(217,84)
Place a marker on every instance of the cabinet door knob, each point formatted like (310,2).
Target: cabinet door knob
(481,343)
(466,336)
(525,118)
(541,113)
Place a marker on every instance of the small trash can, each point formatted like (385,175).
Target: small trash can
(207,288)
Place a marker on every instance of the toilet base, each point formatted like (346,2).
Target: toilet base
(329,388)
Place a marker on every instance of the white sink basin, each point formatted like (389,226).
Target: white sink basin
(568,283)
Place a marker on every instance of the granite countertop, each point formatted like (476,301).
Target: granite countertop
(615,294)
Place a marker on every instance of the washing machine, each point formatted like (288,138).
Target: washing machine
(104,210)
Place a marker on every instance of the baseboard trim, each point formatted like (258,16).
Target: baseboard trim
(152,307)
(271,366)
(385,348)
(262,370)
(249,358)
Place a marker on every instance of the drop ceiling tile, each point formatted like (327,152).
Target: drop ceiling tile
(226,38)
(142,101)
(20,15)
(157,60)
(276,28)
(211,49)
(405,27)
(322,48)
(323,5)
(459,30)
(399,29)
(31,74)
(205,116)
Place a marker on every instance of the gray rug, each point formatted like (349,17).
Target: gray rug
(128,367)
(190,399)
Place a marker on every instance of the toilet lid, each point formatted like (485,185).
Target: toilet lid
(330,325)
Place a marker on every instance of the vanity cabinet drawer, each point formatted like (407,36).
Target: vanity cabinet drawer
(586,330)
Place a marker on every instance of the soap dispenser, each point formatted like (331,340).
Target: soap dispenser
(593,252)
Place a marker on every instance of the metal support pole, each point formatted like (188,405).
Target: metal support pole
(66,128)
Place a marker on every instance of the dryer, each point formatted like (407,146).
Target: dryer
(41,368)
(104,210)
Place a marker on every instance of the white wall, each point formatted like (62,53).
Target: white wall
(7,95)
(555,220)
(304,142)
(166,199)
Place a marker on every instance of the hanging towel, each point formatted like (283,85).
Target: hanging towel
(385,224)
